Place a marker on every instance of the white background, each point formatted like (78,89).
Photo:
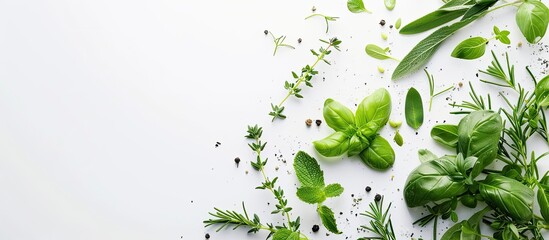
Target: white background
(111,109)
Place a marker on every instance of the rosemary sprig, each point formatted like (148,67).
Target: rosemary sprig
(478,103)
(327,19)
(432,93)
(380,223)
(497,71)
(279,42)
(306,76)
(227,218)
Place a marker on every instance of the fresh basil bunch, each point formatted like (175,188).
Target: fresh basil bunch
(357,134)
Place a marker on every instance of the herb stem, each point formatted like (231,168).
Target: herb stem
(503,5)
(435,229)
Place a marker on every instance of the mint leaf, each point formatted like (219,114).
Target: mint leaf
(328,219)
(311,195)
(308,171)
(333,190)
(285,234)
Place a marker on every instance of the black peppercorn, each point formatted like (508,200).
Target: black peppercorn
(318,122)
(266,32)
(315,228)
(299,40)
(382,22)
(377,198)
(237,161)
(207,236)
(368,189)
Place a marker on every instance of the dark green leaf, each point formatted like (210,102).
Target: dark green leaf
(543,197)
(379,155)
(478,8)
(308,171)
(508,195)
(448,12)
(479,134)
(446,134)
(471,48)
(413,109)
(328,219)
(532,19)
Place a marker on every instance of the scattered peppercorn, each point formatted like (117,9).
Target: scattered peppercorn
(266,32)
(460,84)
(313,9)
(377,198)
(316,228)
(390,26)
(308,122)
(299,40)
(207,236)
(237,161)
(318,122)
(382,22)
(368,189)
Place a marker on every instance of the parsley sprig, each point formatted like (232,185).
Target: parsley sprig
(305,77)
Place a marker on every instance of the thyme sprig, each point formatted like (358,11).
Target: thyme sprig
(327,19)
(279,42)
(305,76)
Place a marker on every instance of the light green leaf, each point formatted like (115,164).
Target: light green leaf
(471,48)
(377,52)
(337,116)
(532,19)
(357,144)
(311,195)
(508,195)
(542,92)
(446,134)
(356,6)
(380,154)
(413,109)
(375,108)
(332,146)
(328,219)
(426,155)
(308,171)
(390,4)
(285,234)
(448,12)
(398,139)
(333,190)
(398,23)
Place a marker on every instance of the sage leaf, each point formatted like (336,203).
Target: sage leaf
(445,134)
(356,6)
(471,48)
(390,4)
(479,7)
(448,12)
(332,146)
(308,171)
(337,116)
(532,19)
(413,109)
(328,219)
(424,50)
(508,195)
(378,52)
(333,190)
(380,155)
(311,195)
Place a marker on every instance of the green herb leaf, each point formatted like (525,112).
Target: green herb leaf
(471,48)
(508,195)
(448,12)
(390,4)
(445,134)
(398,139)
(334,145)
(425,49)
(380,154)
(356,6)
(426,155)
(357,144)
(395,124)
(375,108)
(333,190)
(285,234)
(542,92)
(337,116)
(413,109)
(532,19)
(479,134)
(543,197)
(377,52)
(398,23)
(311,195)
(479,7)
(308,171)
(328,219)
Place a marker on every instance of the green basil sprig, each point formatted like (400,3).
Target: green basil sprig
(357,134)
(508,195)
(475,47)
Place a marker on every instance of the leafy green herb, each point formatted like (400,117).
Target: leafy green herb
(395,124)
(426,155)
(445,134)
(475,47)
(508,195)
(305,77)
(357,134)
(446,13)
(390,4)
(380,223)
(398,138)
(413,109)
(379,53)
(432,93)
(532,19)
(502,36)
(327,19)
(279,42)
(356,6)
(497,71)
(398,23)
(543,197)
(313,190)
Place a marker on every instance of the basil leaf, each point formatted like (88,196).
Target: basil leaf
(356,6)
(445,134)
(465,230)
(332,146)
(398,139)
(532,19)
(375,108)
(453,233)
(337,116)
(479,134)
(444,14)
(333,190)
(508,195)
(308,171)
(379,155)
(378,52)
(413,109)
(424,50)
(328,219)
(285,234)
(471,48)
(426,155)
(357,144)
(433,181)
(311,195)
(542,92)
(543,197)
(390,4)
